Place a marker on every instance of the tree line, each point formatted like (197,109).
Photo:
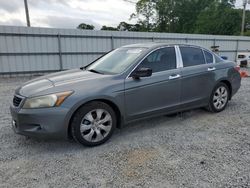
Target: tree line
(217,17)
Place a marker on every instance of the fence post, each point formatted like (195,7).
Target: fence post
(112,42)
(186,39)
(214,42)
(60,51)
(153,39)
(237,49)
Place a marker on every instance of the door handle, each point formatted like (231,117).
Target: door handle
(211,68)
(175,76)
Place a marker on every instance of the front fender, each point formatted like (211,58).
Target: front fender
(118,102)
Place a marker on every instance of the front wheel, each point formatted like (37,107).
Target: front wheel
(93,124)
(219,98)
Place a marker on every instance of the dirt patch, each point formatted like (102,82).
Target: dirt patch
(137,162)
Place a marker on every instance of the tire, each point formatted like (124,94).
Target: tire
(93,124)
(219,98)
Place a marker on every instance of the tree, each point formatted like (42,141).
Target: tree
(85,26)
(186,16)
(219,19)
(169,15)
(124,26)
(107,28)
(146,9)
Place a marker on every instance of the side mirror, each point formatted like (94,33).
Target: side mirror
(141,72)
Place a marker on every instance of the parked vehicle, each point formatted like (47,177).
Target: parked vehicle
(127,84)
(243,59)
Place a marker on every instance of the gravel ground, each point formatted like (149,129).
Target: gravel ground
(193,149)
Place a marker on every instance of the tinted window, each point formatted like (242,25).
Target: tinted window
(160,60)
(192,56)
(209,57)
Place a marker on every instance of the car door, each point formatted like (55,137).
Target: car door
(157,93)
(198,76)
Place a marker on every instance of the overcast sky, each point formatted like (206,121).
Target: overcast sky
(68,13)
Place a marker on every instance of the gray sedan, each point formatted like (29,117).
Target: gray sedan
(127,84)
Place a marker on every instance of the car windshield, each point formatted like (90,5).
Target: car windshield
(116,61)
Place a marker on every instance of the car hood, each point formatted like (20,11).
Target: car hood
(57,79)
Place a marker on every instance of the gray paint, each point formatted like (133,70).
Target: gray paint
(134,98)
(33,49)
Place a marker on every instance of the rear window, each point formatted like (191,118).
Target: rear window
(192,56)
(209,57)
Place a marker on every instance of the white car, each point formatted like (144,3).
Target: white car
(243,59)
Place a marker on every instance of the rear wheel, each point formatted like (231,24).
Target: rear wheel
(219,98)
(93,124)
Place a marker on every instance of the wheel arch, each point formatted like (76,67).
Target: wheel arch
(229,85)
(108,102)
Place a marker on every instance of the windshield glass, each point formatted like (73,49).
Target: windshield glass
(116,61)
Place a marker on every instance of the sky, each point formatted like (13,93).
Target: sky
(66,13)
(69,13)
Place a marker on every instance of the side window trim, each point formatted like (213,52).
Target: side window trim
(203,52)
(179,62)
(152,51)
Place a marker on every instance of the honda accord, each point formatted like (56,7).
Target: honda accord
(127,84)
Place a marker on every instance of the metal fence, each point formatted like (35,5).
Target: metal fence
(31,50)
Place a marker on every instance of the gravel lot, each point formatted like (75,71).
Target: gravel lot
(193,149)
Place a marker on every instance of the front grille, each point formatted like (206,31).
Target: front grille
(16,101)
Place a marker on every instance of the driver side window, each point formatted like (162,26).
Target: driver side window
(160,60)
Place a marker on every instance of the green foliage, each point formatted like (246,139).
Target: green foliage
(247,18)
(165,15)
(187,13)
(124,26)
(85,26)
(190,16)
(107,28)
(219,20)
(145,8)
(247,33)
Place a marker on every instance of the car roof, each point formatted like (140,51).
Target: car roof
(153,45)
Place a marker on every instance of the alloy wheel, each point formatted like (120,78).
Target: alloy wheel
(96,125)
(220,97)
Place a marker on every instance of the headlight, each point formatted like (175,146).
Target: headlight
(46,101)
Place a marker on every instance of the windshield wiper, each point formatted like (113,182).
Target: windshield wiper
(95,71)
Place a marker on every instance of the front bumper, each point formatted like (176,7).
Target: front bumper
(41,123)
